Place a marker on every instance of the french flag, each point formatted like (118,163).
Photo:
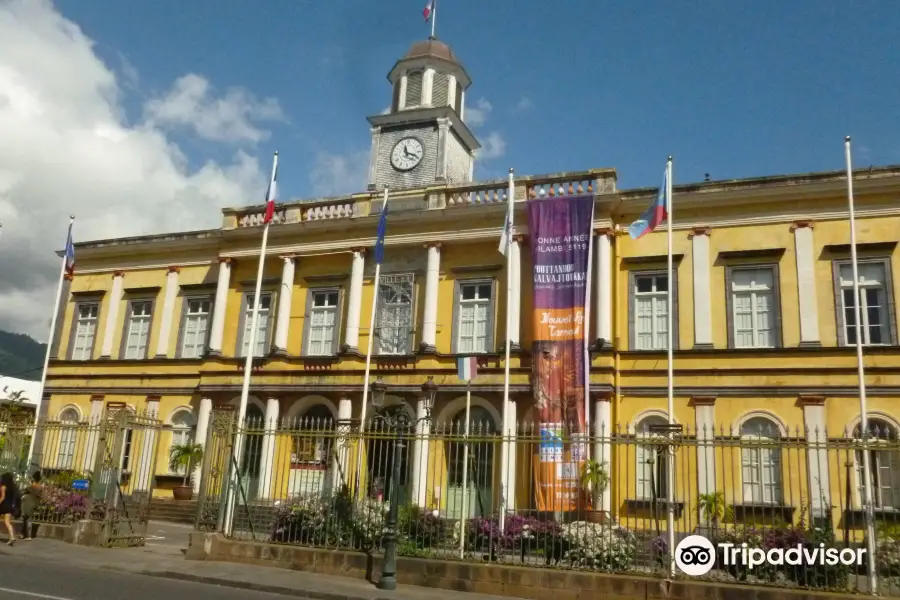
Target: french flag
(655,214)
(467,367)
(70,255)
(429,10)
(272,192)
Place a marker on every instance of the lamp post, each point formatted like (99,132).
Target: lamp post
(401,424)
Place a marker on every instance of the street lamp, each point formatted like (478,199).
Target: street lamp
(379,389)
(401,424)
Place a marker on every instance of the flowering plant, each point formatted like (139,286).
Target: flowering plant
(600,546)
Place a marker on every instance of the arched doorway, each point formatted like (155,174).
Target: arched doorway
(380,449)
(312,448)
(254,436)
(470,490)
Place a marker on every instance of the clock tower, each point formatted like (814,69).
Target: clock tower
(423,139)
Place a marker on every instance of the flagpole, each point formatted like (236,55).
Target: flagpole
(465,473)
(53,319)
(670,408)
(365,397)
(861,374)
(433,17)
(248,364)
(505,446)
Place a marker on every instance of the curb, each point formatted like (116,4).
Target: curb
(257,587)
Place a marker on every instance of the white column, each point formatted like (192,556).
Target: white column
(373,157)
(515,300)
(418,474)
(168,312)
(427,87)
(401,103)
(354,300)
(203,414)
(90,447)
(221,307)
(702,308)
(806,284)
(267,458)
(508,460)
(148,446)
(432,273)
(340,472)
(602,447)
(603,297)
(442,157)
(705,421)
(285,298)
(112,314)
(817,455)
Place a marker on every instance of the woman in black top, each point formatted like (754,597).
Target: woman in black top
(9,497)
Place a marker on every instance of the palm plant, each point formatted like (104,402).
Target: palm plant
(186,456)
(712,508)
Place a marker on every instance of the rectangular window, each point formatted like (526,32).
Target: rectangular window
(652,475)
(394,328)
(263,325)
(650,308)
(414,82)
(321,332)
(875,302)
(137,332)
(474,322)
(754,307)
(195,328)
(85,331)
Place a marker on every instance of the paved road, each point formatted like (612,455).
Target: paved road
(22,578)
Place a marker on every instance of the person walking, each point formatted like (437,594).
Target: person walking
(30,499)
(9,503)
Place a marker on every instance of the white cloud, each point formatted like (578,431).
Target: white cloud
(191,103)
(336,174)
(493,146)
(478,114)
(66,147)
(525,103)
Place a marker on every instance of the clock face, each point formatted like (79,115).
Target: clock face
(407,154)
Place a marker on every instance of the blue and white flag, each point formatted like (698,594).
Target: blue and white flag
(382,230)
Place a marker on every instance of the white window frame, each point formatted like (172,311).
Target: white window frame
(326,347)
(68,437)
(85,329)
(843,284)
(487,303)
(645,475)
(658,302)
(133,326)
(755,292)
(395,279)
(761,455)
(264,326)
(193,343)
(889,438)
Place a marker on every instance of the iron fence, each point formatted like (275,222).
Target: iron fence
(318,483)
(97,470)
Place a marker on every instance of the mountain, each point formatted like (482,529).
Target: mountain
(21,356)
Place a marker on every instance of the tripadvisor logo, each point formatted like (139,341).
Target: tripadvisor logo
(695,555)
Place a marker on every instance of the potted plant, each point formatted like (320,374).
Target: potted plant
(185,456)
(712,509)
(595,479)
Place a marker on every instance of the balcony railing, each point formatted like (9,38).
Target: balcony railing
(595,181)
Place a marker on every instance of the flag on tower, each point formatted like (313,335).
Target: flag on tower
(70,254)
(655,214)
(429,10)
(271,193)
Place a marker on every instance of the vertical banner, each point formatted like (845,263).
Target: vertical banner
(560,231)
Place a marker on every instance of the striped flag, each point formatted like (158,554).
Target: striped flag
(70,254)
(272,192)
(382,230)
(467,367)
(655,214)
(429,10)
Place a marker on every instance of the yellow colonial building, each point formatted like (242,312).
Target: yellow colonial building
(763,326)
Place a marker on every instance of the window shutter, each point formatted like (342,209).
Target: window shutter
(778,334)
(338,322)
(838,303)
(414,88)
(891,306)
(632,308)
(454,327)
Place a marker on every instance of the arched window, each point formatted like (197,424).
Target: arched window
(652,460)
(761,461)
(67,436)
(183,427)
(472,491)
(311,448)
(380,450)
(884,462)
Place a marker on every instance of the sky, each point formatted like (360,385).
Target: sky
(149,116)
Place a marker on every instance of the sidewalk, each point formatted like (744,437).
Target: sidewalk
(167,561)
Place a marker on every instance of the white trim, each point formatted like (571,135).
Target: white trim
(804,256)
(701,271)
(852,425)
(183,408)
(67,407)
(300,407)
(650,412)
(250,400)
(453,408)
(750,414)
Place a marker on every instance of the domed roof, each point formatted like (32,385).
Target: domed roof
(432,48)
